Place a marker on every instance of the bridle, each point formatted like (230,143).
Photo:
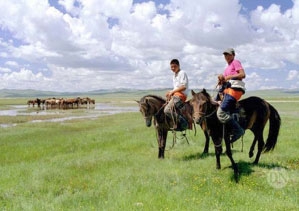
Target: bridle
(158,118)
(203,115)
(152,115)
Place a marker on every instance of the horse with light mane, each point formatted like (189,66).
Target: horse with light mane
(152,109)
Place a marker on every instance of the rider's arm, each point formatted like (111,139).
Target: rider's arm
(178,89)
(239,76)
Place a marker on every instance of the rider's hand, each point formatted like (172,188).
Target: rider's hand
(221,79)
(169,94)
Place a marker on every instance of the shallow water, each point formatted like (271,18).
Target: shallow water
(99,109)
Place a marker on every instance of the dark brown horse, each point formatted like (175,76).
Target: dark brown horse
(33,102)
(152,108)
(254,114)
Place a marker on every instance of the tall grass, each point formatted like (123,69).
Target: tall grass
(111,164)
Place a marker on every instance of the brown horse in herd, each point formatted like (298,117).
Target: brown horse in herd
(61,103)
(35,101)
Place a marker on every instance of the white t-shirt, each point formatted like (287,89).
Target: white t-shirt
(180,79)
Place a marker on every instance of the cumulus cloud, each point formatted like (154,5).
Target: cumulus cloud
(293,75)
(13,64)
(81,45)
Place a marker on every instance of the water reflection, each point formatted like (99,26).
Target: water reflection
(99,109)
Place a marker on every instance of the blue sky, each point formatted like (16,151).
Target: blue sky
(84,45)
(252,4)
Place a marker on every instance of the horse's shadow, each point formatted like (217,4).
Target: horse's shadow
(246,168)
(202,155)
(197,156)
(270,165)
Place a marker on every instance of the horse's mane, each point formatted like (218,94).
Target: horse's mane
(206,94)
(153,96)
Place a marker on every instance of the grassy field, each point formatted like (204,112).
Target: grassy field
(110,163)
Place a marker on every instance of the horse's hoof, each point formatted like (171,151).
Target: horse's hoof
(236,177)
(251,154)
(205,152)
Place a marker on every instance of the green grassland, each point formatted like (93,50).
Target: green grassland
(110,163)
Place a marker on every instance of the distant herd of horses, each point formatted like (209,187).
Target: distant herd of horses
(254,113)
(61,103)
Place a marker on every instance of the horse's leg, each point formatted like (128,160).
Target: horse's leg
(203,126)
(230,156)
(261,145)
(206,149)
(218,150)
(162,136)
(251,151)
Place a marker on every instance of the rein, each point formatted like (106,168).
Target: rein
(156,117)
(205,116)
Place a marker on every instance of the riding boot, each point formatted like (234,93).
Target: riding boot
(237,130)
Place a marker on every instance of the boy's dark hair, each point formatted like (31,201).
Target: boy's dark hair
(175,61)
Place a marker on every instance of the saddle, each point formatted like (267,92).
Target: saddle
(184,120)
(239,115)
(181,118)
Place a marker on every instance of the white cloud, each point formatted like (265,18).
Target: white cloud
(4,70)
(253,81)
(293,75)
(20,80)
(23,75)
(89,45)
(12,64)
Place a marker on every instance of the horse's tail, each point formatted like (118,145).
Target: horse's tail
(274,127)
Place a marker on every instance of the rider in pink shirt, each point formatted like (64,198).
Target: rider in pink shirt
(233,68)
(233,88)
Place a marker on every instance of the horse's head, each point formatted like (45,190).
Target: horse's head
(145,110)
(148,106)
(199,103)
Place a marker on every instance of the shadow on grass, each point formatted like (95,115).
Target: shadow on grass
(197,156)
(270,165)
(245,168)
(201,155)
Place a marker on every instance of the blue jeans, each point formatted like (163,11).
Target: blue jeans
(227,106)
(229,103)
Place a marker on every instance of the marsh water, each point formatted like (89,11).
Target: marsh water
(94,111)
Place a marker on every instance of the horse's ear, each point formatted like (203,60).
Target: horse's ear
(137,101)
(204,90)
(192,92)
